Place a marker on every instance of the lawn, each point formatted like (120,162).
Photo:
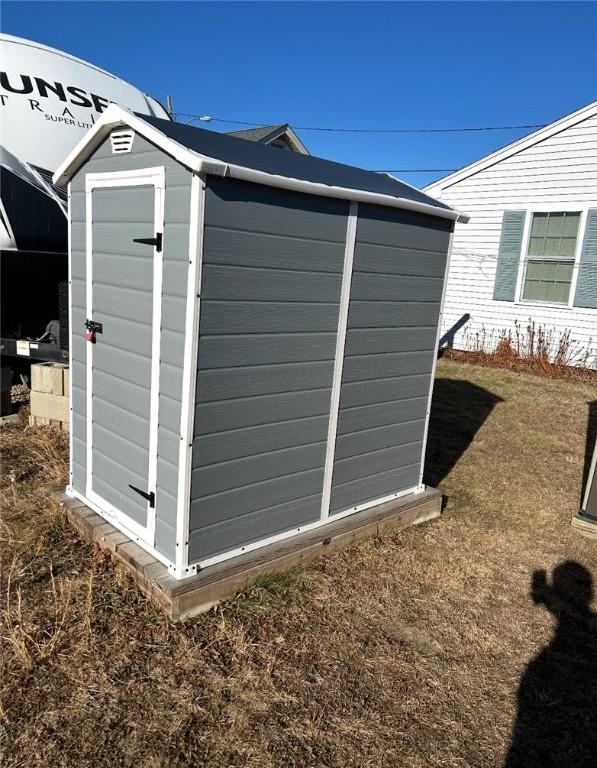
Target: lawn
(403,651)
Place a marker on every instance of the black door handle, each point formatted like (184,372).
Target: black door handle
(149,496)
(155,241)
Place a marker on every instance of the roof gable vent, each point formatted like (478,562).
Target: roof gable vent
(122,141)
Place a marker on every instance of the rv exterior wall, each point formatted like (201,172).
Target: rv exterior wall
(558,173)
(50,99)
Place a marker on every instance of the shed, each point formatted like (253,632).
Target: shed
(254,337)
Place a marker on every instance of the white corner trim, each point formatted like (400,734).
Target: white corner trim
(70,336)
(351,236)
(435,356)
(591,478)
(115,117)
(189,377)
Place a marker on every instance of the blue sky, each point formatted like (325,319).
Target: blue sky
(380,65)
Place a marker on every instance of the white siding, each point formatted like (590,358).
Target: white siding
(558,170)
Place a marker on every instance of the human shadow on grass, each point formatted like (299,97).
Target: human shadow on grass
(556,722)
(458,410)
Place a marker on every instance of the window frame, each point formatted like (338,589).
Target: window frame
(581,208)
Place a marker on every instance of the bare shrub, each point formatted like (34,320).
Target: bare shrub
(532,349)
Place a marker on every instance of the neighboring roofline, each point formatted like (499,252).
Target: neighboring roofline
(116,116)
(250,133)
(293,138)
(275,133)
(584,113)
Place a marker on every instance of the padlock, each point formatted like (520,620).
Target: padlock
(90,336)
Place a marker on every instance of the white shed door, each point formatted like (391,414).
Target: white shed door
(124,272)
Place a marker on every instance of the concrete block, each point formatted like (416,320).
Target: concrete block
(49,378)
(48,406)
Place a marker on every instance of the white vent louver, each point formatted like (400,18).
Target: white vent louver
(122,141)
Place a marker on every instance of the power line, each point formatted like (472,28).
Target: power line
(206,118)
(413,170)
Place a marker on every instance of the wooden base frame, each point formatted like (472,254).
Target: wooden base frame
(197,594)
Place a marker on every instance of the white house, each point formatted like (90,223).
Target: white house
(526,263)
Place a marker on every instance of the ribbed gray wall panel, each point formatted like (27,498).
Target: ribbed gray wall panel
(396,289)
(271,282)
(175,253)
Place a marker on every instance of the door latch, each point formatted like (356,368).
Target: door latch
(92,329)
(149,496)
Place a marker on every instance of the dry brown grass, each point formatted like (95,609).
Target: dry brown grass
(402,651)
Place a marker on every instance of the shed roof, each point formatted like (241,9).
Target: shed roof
(206,151)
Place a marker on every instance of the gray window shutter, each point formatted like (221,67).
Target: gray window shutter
(506,274)
(586,286)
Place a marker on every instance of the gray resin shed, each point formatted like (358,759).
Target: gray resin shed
(261,334)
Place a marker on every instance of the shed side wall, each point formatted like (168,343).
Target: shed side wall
(271,282)
(175,253)
(396,290)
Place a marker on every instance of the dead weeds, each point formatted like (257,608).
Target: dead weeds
(403,651)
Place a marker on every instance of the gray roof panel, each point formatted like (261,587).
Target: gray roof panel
(292,165)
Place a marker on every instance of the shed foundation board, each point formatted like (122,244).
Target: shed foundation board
(195,595)
(585,526)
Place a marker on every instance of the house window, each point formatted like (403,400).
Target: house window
(550,257)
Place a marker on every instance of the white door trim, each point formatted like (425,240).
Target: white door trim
(435,355)
(70,338)
(351,236)
(116,521)
(140,177)
(189,378)
(590,480)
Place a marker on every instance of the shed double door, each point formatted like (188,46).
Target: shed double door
(123,298)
